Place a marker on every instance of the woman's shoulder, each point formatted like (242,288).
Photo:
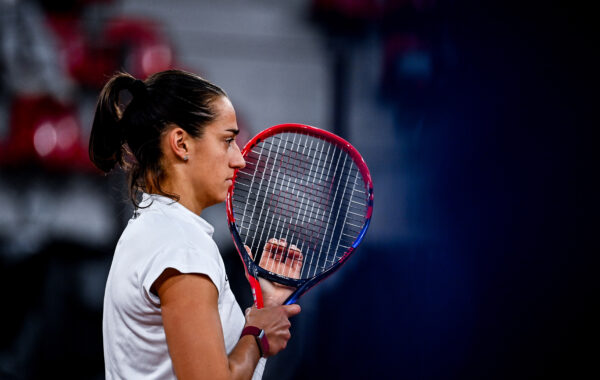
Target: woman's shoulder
(153,227)
(167,224)
(153,236)
(153,223)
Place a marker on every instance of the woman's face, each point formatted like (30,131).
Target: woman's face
(215,156)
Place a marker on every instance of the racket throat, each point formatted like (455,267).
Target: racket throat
(256,290)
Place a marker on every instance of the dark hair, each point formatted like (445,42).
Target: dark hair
(129,135)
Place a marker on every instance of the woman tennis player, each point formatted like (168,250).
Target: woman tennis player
(168,309)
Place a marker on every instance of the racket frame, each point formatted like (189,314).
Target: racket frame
(252,269)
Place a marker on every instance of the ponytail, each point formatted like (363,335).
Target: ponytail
(108,136)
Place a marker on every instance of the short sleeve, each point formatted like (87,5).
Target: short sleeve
(185,260)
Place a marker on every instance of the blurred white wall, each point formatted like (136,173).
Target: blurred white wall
(271,62)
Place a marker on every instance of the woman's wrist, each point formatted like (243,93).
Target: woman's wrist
(260,337)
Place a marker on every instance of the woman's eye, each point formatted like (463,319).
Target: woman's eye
(229,141)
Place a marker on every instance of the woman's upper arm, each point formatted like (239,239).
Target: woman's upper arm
(189,304)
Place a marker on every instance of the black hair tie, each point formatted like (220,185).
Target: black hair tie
(138,89)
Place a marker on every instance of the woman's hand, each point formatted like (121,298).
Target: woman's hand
(275,322)
(278,259)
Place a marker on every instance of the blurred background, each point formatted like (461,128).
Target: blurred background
(465,113)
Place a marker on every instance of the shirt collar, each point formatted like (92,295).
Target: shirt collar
(150,201)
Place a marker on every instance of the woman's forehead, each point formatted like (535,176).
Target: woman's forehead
(225,120)
(222,105)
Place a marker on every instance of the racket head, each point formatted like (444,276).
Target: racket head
(308,186)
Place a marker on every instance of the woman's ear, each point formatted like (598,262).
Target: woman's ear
(178,142)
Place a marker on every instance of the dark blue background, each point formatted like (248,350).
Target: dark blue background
(492,296)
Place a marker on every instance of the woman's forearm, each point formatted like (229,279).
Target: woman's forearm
(244,358)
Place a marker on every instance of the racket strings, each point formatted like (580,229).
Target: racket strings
(304,217)
(273,215)
(286,167)
(306,191)
(317,167)
(293,165)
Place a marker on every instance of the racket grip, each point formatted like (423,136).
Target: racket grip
(256,292)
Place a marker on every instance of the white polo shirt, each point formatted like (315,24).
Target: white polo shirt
(163,235)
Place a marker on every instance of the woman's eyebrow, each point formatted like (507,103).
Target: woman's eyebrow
(234,131)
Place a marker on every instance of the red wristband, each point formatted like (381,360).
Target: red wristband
(260,336)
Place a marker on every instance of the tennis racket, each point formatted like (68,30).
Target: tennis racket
(302,205)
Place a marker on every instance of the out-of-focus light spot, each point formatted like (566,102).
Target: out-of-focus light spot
(156,58)
(44,139)
(415,64)
(67,132)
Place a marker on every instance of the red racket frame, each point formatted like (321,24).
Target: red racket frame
(251,268)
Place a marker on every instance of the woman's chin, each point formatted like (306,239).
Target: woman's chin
(220,200)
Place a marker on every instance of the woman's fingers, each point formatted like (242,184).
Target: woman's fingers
(275,247)
(294,262)
(276,324)
(291,310)
(278,258)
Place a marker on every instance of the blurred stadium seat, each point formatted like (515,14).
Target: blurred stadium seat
(44,131)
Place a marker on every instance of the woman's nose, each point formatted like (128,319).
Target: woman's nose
(238,161)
